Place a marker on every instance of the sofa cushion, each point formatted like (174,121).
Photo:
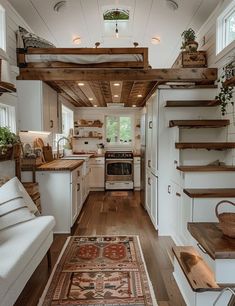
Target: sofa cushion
(13,189)
(31,40)
(18,244)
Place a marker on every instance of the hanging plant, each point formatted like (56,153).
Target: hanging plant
(225,95)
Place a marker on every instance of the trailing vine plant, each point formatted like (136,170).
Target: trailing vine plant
(225,95)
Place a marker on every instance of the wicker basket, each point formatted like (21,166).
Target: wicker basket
(226,220)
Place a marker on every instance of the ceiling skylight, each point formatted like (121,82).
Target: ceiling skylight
(116,14)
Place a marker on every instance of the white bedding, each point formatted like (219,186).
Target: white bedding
(84,58)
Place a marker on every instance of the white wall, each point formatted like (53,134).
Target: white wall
(99,114)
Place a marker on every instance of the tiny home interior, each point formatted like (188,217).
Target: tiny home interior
(117,163)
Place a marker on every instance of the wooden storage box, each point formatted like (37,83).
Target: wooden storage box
(33,191)
(191,60)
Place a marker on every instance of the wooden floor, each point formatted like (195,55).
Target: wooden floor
(106,214)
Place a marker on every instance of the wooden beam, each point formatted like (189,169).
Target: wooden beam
(158,75)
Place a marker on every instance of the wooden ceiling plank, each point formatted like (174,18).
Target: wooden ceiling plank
(77,91)
(163,75)
(106,91)
(126,89)
(95,87)
(64,86)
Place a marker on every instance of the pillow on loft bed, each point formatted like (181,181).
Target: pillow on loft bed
(26,40)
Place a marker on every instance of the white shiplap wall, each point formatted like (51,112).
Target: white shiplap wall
(207,42)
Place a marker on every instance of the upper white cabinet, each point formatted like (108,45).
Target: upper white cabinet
(38,106)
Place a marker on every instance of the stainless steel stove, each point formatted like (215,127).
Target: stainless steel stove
(119,170)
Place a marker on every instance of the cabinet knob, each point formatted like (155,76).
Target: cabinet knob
(178,194)
(52,124)
(78,173)
(149,163)
(149,182)
(78,187)
(150,124)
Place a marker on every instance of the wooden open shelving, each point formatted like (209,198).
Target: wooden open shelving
(84,137)
(210,193)
(206,168)
(230,82)
(205,145)
(199,123)
(89,125)
(199,275)
(192,103)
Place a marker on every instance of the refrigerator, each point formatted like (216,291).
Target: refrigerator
(143,130)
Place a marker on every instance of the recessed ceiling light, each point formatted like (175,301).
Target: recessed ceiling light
(116,96)
(77,40)
(173,5)
(133,105)
(155,40)
(59,6)
(139,96)
(95,105)
(116,84)
(81,84)
(90,99)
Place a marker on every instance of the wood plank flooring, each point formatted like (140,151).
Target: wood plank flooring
(106,214)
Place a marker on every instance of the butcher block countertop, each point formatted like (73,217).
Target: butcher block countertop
(61,165)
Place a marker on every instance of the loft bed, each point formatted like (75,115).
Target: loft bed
(136,58)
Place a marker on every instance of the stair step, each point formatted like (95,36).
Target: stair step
(192,103)
(206,168)
(199,123)
(211,238)
(205,145)
(210,193)
(197,272)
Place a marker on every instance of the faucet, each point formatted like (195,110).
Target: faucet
(57,145)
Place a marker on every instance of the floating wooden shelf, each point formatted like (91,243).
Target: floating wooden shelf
(212,240)
(230,82)
(6,87)
(197,272)
(199,123)
(89,126)
(93,137)
(210,193)
(205,145)
(192,103)
(206,168)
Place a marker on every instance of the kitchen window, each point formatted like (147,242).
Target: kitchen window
(8,117)
(226,28)
(2,29)
(119,129)
(67,120)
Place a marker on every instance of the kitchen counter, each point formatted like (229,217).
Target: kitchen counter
(60,165)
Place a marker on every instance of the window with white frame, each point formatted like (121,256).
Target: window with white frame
(67,120)
(8,117)
(2,29)
(226,27)
(119,129)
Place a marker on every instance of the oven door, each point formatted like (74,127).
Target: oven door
(118,170)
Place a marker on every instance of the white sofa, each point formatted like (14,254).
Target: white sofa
(22,248)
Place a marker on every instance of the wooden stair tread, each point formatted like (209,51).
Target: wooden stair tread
(230,82)
(211,238)
(210,193)
(199,123)
(192,103)
(205,145)
(7,87)
(197,272)
(206,168)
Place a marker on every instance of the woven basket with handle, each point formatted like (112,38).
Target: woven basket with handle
(226,220)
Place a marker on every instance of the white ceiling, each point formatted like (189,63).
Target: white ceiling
(148,18)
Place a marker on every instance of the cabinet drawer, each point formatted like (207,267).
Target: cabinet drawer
(97,161)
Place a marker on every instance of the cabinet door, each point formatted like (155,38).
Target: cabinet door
(154,200)
(96,179)
(136,175)
(50,110)
(154,136)
(74,208)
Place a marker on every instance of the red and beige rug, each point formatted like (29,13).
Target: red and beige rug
(101,270)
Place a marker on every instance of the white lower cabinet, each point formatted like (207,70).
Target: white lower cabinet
(137,172)
(60,193)
(96,177)
(152,198)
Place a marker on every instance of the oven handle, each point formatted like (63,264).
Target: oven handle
(121,160)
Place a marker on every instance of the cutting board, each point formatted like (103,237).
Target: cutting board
(47,153)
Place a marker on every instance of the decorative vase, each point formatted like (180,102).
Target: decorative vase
(191,46)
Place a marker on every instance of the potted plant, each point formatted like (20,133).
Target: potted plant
(189,42)
(9,144)
(225,95)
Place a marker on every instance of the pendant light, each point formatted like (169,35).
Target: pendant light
(116,30)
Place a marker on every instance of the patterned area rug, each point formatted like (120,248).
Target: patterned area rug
(102,270)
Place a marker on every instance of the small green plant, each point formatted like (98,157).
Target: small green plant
(188,36)
(7,139)
(225,95)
